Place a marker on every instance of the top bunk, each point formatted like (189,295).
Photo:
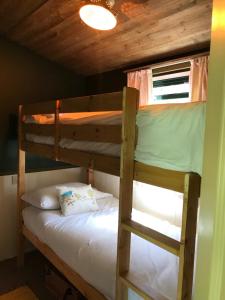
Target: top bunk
(95,131)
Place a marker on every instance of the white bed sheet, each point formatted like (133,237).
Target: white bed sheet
(87,242)
(94,147)
(169,136)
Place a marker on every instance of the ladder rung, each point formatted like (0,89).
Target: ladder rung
(152,236)
(147,293)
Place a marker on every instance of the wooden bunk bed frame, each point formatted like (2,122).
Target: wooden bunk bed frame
(128,169)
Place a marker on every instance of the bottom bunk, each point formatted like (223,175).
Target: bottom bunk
(85,246)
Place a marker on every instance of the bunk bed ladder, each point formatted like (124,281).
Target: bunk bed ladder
(184,249)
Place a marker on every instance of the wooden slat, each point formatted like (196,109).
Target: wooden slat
(101,102)
(91,132)
(14,12)
(129,280)
(107,164)
(169,68)
(138,290)
(39,129)
(188,236)
(167,179)
(85,288)
(100,162)
(39,149)
(37,108)
(130,105)
(153,236)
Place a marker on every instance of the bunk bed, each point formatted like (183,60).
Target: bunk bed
(123,104)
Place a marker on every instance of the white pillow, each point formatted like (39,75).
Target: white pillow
(77,200)
(47,198)
(101,195)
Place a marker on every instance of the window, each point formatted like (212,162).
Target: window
(171,81)
(170,84)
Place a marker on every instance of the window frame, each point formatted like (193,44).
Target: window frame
(157,73)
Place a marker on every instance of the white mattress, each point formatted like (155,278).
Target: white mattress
(87,242)
(169,136)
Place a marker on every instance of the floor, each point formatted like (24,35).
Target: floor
(31,275)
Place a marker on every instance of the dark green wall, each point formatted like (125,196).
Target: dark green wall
(115,80)
(106,82)
(26,77)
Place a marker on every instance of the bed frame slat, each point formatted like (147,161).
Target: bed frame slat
(163,178)
(101,102)
(91,132)
(39,129)
(85,288)
(104,163)
(130,281)
(153,236)
(39,149)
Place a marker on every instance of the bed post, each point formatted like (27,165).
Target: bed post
(90,176)
(57,133)
(188,235)
(130,105)
(20,192)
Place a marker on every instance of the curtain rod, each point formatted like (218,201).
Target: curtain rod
(167,62)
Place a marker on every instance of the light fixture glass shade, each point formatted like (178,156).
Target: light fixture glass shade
(98,17)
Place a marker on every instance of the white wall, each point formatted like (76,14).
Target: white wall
(156,201)
(8,202)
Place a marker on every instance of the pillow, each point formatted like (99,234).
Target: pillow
(77,200)
(47,198)
(101,195)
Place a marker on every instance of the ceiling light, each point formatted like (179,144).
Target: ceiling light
(98,14)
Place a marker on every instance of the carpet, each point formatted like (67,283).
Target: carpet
(22,293)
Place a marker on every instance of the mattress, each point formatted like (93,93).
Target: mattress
(88,243)
(170,136)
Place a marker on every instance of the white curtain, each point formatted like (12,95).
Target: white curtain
(199,79)
(141,80)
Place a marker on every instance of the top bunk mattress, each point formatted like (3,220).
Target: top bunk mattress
(170,136)
(88,244)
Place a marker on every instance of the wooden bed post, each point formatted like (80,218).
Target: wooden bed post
(188,236)
(130,106)
(20,192)
(57,133)
(90,176)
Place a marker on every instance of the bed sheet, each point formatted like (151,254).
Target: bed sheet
(88,243)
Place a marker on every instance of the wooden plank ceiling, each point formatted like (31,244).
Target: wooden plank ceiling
(146,30)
